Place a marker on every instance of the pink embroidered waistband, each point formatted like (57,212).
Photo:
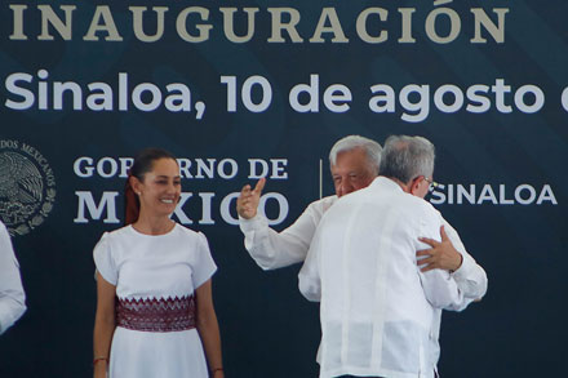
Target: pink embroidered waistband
(156,315)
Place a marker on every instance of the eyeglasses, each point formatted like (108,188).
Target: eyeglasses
(433,184)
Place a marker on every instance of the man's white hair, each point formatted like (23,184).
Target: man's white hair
(406,158)
(372,150)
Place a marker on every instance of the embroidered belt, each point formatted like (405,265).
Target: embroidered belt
(156,315)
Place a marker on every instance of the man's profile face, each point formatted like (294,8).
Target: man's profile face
(420,187)
(351,172)
(423,188)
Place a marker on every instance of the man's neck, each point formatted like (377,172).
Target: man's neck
(405,187)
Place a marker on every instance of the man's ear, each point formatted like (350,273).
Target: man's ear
(415,185)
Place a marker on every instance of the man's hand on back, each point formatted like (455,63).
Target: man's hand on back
(442,255)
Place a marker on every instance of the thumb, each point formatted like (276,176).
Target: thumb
(260,185)
(443,233)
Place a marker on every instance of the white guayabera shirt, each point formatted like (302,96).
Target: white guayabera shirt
(378,310)
(12,296)
(272,250)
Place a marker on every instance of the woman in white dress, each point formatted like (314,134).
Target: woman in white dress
(155,314)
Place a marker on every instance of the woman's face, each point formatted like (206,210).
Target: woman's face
(160,190)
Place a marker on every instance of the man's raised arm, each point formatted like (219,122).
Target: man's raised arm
(270,249)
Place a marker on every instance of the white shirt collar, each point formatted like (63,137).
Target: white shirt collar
(384,182)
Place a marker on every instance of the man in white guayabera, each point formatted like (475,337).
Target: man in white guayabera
(377,307)
(354,163)
(12,296)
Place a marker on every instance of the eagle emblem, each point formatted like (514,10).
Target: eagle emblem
(25,197)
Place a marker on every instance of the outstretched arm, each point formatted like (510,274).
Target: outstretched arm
(270,249)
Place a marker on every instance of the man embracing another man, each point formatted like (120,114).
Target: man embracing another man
(382,261)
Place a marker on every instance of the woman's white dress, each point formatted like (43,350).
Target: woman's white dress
(153,274)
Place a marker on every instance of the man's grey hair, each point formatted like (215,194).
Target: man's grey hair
(372,150)
(405,158)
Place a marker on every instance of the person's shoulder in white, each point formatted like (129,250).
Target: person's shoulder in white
(388,189)
(199,253)
(114,247)
(421,207)
(5,237)
(7,248)
(318,208)
(130,231)
(12,295)
(191,235)
(321,206)
(117,233)
(184,230)
(427,208)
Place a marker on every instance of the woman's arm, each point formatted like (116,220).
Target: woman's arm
(104,326)
(208,329)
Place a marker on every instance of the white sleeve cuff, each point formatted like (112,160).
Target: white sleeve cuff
(252,224)
(466,268)
(12,311)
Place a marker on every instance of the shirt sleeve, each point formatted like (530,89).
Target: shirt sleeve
(104,261)
(203,266)
(471,278)
(272,250)
(309,278)
(12,296)
(440,288)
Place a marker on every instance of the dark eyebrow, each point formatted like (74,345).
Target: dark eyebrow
(167,177)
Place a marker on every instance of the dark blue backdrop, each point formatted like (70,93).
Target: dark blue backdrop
(267,328)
